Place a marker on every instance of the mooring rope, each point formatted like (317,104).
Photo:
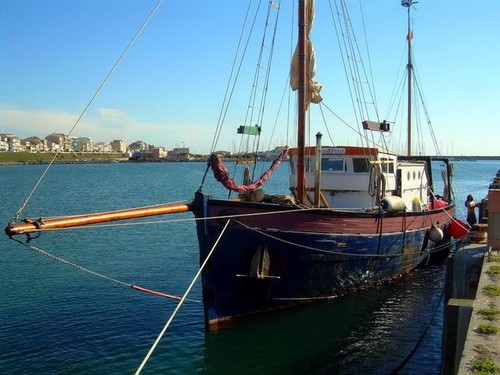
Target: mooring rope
(421,338)
(155,344)
(101,275)
(90,102)
(468,227)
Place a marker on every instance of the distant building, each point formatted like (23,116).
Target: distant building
(119,146)
(102,147)
(180,152)
(83,144)
(4,146)
(158,153)
(59,139)
(34,144)
(9,142)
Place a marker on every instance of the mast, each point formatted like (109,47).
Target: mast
(302,105)
(408,4)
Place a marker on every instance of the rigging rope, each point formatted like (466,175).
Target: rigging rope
(102,276)
(231,84)
(361,135)
(157,341)
(90,102)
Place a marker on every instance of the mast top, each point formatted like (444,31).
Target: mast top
(408,3)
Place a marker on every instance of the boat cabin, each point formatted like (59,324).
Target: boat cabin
(359,178)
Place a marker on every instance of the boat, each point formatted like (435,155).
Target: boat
(351,218)
(357,216)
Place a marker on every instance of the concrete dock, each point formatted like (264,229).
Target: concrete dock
(471,332)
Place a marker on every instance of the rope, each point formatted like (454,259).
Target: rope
(421,339)
(90,102)
(155,344)
(321,250)
(452,218)
(97,274)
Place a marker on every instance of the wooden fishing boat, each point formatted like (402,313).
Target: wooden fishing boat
(357,216)
(351,217)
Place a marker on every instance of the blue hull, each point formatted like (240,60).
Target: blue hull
(258,268)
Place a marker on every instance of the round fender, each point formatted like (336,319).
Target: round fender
(435,234)
(392,203)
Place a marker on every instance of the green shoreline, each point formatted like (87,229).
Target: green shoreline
(13,158)
(23,158)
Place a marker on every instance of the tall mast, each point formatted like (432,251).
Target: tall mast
(302,105)
(408,4)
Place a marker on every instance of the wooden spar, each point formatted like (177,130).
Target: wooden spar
(409,66)
(31,225)
(302,101)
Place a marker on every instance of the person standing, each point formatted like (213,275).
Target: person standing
(471,213)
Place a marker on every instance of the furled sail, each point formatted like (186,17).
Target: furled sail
(314,87)
(221,173)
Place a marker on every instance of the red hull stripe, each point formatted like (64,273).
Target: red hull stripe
(327,221)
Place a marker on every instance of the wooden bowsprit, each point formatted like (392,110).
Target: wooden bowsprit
(38,225)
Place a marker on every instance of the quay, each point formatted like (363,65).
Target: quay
(471,332)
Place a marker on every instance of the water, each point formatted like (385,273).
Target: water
(56,319)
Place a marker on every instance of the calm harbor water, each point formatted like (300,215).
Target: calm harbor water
(57,319)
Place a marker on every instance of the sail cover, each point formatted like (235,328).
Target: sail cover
(314,87)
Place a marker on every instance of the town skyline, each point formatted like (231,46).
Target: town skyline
(54,142)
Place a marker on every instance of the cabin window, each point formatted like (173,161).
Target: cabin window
(361,165)
(333,164)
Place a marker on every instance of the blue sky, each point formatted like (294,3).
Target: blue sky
(169,88)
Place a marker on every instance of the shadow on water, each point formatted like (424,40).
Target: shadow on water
(371,332)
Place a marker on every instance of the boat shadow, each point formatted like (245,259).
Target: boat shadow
(370,332)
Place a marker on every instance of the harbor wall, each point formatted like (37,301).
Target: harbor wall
(462,279)
(468,272)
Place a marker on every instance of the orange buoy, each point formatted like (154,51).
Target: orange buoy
(438,203)
(458,228)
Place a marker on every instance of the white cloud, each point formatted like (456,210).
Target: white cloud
(104,124)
